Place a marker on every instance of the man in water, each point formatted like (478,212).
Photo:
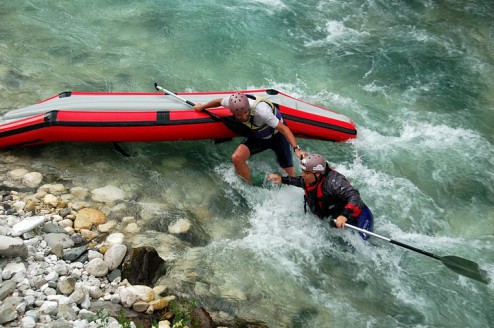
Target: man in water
(329,194)
(268,131)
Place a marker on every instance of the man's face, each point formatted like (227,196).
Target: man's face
(242,117)
(309,177)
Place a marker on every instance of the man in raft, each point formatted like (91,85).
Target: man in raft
(268,129)
(329,194)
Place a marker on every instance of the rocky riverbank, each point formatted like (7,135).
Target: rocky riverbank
(65,263)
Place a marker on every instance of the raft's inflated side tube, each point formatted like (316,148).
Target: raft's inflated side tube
(111,117)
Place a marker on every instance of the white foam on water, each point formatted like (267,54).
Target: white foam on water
(290,242)
(449,148)
(272,4)
(374,88)
(336,34)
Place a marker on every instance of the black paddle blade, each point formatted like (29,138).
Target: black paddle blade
(466,268)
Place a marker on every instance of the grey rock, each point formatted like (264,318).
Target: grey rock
(115,255)
(53,228)
(62,323)
(8,309)
(114,275)
(7,288)
(82,259)
(66,312)
(64,212)
(12,247)
(33,314)
(27,225)
(77,296)
(97,267)
(38,281)
(78,240)
(49,307)
(7,314)
(57,250)
(66,285)
(28,322)
(73,253)
(63,239)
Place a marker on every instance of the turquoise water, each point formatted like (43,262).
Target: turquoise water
(417,77)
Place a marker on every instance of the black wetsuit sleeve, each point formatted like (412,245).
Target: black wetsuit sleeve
(294,181)
(341,189)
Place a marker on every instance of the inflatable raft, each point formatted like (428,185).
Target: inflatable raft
(148,117)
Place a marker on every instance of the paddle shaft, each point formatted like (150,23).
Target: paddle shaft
(188,102)
(231,123)
(459,265)
(393,241)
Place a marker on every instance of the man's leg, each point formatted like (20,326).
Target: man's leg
(283,152)
(239,159)
(365,221)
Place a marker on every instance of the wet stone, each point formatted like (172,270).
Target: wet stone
(52,228)
(142,266)
(64,212)
(58,238)
(114,274)
(78,240)
(7,288)
(73,253)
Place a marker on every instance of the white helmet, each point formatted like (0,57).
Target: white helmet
(238,104)
(313,163)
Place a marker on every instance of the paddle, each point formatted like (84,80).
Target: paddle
(230,122)
(459,265)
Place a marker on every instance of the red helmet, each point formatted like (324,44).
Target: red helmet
(238,104)
(313,163)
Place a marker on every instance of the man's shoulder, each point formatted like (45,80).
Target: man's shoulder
(334,176)
(263,109)
(225,101)
(337,180)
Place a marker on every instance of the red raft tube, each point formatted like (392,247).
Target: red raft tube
(150,117)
